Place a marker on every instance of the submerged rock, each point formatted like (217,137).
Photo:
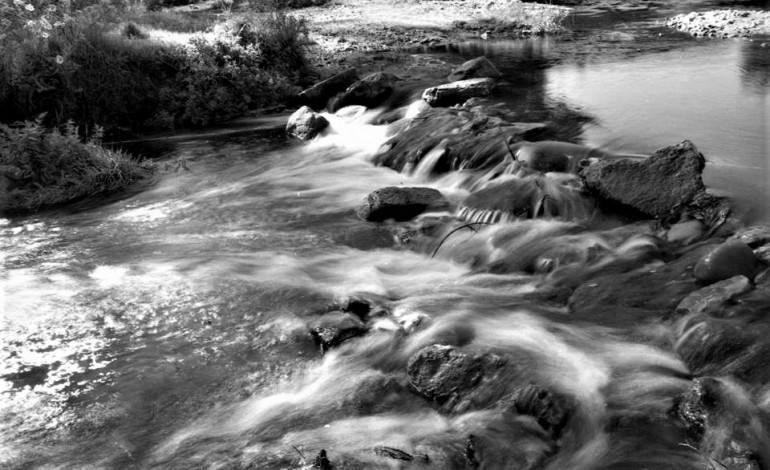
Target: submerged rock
(714,296)
(729,259)
(551,411)
(399,203)
(458,92)
(661,185)
(754,237)
(332,329)
(305,123)
(371,91)
(319,94)
(480,67)
(548,155)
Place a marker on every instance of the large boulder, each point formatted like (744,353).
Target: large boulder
(458,92)
(729,259)
(319,94)
(713,297)
(399,203)
(661,185)
(305,123)
(371,91)
(480,67)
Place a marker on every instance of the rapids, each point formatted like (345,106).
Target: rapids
(167,328)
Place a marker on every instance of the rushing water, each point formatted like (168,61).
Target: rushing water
(168,328)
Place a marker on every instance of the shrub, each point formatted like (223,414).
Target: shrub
(41,168)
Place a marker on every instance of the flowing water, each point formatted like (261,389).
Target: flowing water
(168,328)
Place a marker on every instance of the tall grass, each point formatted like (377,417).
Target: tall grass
(40,168)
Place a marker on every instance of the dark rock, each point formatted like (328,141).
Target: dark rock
(550,411)
(399,203)
(729,259)
(449,377)
(332,329)
(371,91)
(712,210)
(453,93)
(714,296)
(305,123)
(321,461)
(718,423)
(319,94)
(661,185)
(528,197)
(754,237)
(725,346)
(480,67)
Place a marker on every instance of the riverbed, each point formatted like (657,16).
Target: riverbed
(168,327)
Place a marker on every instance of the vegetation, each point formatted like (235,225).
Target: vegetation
(42,168)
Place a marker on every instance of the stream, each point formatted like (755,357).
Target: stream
(168,327)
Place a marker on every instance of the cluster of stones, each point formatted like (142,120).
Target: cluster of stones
(710,285)
(723,23)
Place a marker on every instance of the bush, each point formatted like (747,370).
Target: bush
(41,168)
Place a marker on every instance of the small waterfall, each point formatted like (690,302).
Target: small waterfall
(424,169)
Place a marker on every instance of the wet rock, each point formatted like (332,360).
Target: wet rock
(712,210)
(729,259)
(550,410)
(718,420)
(753,237)
(371,91)
(305,123)
(458,92)
(399,203)
(686,232)
(319,94)
(656,289)
(332,329)
(725,346)
(480,67)
(660,185)
(446,376)
(507,445)
(763,254)
(528,197)
(716,295)
(369,237)
(351,113)
(321,461)
(546,156)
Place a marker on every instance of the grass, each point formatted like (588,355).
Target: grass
(40,168)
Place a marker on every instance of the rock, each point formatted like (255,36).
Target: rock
(546,156)
(458,92)
(725,346)
(754,237)
(685,232)
(446,375)
(712,210)
(415,109)
(660,185)
(399,203)
(321,461)
(528,197)
(332,329)
(550,411)
(480,67)
(716,421)
(319,94)
(729,259)
(714,296)
(305,123)
(351,113)
(763,254)
(371,91)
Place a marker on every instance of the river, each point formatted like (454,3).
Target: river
(167,328)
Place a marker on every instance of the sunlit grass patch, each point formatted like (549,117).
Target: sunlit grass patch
(40,167)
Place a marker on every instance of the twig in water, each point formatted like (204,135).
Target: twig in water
(469,225)
(300,453)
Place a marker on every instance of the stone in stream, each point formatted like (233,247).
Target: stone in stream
(371,91)
(528,197)
(729,259)
(332,329)
(754,237)
(546,156)
(399,203)
(661,185)
(319,94)
(718,417)
(550,410)
(458,92)
(480,67)
(716,295)
(305,123)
